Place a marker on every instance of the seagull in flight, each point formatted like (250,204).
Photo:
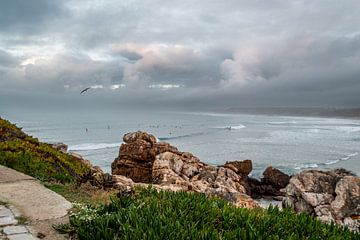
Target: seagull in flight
(85,90)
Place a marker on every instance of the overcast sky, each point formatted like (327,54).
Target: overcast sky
(202,53)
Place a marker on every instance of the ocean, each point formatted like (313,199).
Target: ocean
(290,144)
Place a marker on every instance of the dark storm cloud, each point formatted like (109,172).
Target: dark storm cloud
(28,16)
(208,53)
(7,60)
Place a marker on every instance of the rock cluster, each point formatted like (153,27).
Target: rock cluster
(272,183)
(62,147)
(332,196)
(144,160)
(137,155)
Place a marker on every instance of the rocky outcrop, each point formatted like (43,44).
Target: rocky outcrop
(275,178)
(272,183)
(240,167)
(137,155)
(144,160)
(62,147)
(332,196)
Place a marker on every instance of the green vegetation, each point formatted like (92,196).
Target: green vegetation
(84,193)
(149,214)
(26,154)
(22,220)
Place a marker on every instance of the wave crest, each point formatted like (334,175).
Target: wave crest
(235,127)
(92,146)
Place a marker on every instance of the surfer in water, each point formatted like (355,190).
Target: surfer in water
(86,130)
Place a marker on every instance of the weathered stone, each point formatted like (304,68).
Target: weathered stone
(135,136)
(258,189)
(137,155)
(347,200)
(59,146)
(332,196)
(275,177)
(316,199)
(240,167)
(145,161)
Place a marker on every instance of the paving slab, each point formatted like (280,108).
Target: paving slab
(25,236)
(5,212)
(11,230)
(5,221)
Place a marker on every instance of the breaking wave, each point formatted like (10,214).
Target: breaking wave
(92,146)
(282,123)
(331,162)
(182,136)
(236,127)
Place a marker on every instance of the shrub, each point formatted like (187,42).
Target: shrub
(149,214)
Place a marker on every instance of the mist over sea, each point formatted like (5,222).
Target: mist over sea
(288,143)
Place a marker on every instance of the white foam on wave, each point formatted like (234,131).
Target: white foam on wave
(236,127)
(282,122)
(332,162)
(348,156)
(348,129)
(92,146)
(309,165)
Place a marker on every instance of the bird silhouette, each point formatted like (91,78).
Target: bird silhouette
(85,90)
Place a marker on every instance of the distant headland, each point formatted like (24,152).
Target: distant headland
(298,111)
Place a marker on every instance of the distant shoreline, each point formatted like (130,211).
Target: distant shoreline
(345,113)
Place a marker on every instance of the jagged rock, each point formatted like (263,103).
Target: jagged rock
(59,146)
(347,200)
(259,189)
(329,195)
(135,136)
(270,185)
(144,160)
(137,155)
(240,167)
(275,178)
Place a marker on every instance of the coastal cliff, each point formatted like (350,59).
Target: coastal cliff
(154,182)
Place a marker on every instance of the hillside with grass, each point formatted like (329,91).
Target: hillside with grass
(26,154)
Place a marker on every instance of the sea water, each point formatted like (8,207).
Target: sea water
(288,143)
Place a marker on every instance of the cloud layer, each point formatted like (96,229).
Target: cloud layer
(203,53)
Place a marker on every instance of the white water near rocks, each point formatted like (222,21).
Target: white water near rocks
(288,143)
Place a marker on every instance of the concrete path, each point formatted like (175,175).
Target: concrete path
(10,227)
(40,205)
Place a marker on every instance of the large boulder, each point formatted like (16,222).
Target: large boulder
(275,178)
(271,184)
(240,167)
(137,155)
(146,161)
(328,195)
